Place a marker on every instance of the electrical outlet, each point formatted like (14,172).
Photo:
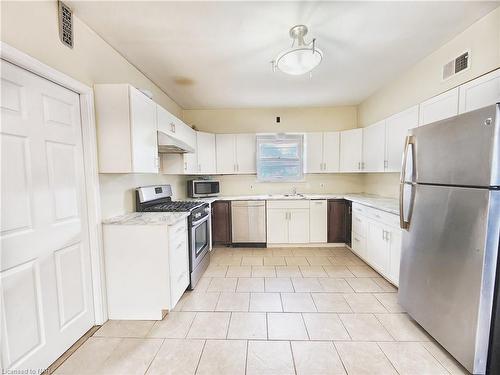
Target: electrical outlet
(251,187)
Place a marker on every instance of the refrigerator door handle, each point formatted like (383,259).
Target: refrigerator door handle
(409,145)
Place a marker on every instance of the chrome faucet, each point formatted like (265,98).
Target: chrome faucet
(294,190)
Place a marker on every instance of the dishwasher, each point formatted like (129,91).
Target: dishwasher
(248,223)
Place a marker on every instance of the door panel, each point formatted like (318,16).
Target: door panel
(397,127)
(442,265)
(374,147)
(314,149)
(221,222)
(298,226)
(439,107)
(225,153)
(351,149)
(331,151)
(318,226)
(144,133)
(45,258)
(336,221)
(277,226)
(376,247)
(245,153)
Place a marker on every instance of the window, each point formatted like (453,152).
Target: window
(280,157)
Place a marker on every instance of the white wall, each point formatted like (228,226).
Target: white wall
(264,119)
(313,183)
(423,81)
(32,27)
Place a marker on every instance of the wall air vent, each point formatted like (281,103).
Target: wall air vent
(65,24)
(456,65)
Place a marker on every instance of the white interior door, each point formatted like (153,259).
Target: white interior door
(45,258)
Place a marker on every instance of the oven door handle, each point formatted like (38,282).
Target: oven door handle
(195,223)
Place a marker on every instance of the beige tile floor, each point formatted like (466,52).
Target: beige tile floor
(272,311)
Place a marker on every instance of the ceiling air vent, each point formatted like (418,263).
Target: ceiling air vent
(65,24)
(456,65)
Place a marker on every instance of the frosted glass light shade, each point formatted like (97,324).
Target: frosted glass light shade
(297,61)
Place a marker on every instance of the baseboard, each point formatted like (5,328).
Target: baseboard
(337,244)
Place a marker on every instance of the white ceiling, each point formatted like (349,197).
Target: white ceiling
(217,54)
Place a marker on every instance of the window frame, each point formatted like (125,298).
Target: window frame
(277,140)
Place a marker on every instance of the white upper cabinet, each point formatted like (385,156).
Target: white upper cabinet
(126,130)
(351,149)
(246,153)
(166,121)
(225,150)
(235,153)
(314,152)
(374,148)
(206,153)
(322,152)
(481,92)
(396,128)
(439,107)
(331,152)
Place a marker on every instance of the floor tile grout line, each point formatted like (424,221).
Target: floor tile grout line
(340,357)
(293,357)
(436,358)
(345,328)
(154,357)
(388,359)
(201,355)
(305,326)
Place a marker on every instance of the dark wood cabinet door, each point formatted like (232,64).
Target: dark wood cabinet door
(221,223)
(337,210)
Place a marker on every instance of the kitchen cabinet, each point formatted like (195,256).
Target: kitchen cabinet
(287,221)
(205,153)
(351,149)
(126,130)
(178,261)
(318,223)
(439,107)
(221,223)
(480,92)
(322,152)
(336,221)
(396,128)
(376,237)
(235,153)
(146,268)
(374,148)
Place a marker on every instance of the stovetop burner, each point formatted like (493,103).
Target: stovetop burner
(175,206)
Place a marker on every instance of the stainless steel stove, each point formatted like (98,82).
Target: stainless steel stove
(158,198)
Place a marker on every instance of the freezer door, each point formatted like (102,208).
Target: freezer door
(448,267)
(461,151)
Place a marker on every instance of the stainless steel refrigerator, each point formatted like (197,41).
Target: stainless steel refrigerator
(450,213)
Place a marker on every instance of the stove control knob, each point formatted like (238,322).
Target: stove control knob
(196,216)
(207,210)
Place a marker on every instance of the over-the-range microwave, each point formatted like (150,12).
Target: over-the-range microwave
(202,188)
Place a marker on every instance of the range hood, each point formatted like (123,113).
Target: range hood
(170,145)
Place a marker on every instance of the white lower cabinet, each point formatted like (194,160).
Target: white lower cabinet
(376,238)
(147,269)
(318,229)
(287,222)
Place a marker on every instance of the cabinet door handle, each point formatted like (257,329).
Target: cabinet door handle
(386,164)
(359,165)
(185,165)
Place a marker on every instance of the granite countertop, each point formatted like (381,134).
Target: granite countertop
(147,218)
(390,205)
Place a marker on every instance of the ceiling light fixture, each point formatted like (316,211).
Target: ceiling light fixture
(302,57)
